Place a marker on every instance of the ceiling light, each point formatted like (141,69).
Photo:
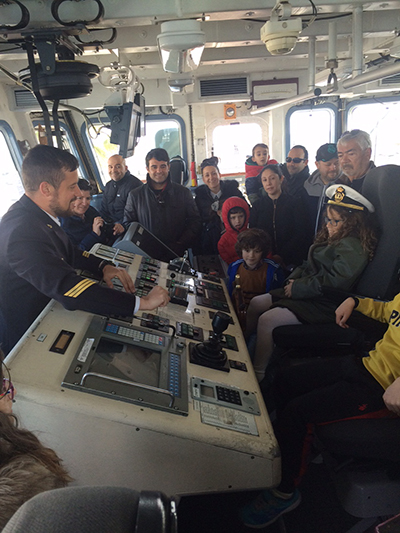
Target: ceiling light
(181,44)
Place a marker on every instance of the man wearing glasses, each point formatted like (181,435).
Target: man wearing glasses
(296,171)
(354,152)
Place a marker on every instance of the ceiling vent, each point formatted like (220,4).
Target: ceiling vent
(23,100)
(230,88)
(390,81)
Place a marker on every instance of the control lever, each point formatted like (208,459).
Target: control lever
(209,353)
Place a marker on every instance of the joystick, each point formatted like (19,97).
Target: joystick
(209,353)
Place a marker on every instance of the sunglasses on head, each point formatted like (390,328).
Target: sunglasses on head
(295,160)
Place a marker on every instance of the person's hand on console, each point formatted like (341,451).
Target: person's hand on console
(97,225)
(344,311)
(110,272)
(157,297)
(118,229)
(391,397)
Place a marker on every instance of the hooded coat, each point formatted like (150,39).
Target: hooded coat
(252,169)
(211,221)
(226,244)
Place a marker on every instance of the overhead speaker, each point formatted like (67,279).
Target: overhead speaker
(71,79)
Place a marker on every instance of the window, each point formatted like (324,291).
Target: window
(233,143)
(160,133)
(380,120)
(67,141)
(11,184)
(311,128)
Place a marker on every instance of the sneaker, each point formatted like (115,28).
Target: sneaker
(267,508)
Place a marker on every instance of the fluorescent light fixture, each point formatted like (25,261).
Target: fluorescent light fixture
(181,44)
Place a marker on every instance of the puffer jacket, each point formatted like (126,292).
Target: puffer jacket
(226,244)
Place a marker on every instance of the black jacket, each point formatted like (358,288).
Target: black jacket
(212,224)
(204,200)
(37,263)
(294,185)
(171,215)
(115,195)
(285,222)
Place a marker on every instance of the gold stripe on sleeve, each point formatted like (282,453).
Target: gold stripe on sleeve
(79,288)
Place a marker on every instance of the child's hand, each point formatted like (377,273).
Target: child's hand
(288,288)
(391,397)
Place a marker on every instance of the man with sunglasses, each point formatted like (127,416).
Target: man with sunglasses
(354,152)
(296,171)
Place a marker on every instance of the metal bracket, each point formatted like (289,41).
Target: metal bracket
(47,54)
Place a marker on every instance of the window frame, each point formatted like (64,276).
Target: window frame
(82,169)
(364,101)
(13,147)
(12,144)
(334,136)
(159,117)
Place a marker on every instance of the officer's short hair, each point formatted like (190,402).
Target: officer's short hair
(157,153)
(361,137)
(46,163)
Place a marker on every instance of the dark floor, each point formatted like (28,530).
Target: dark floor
(319,512)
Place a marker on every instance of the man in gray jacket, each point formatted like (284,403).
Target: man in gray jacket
(327,173)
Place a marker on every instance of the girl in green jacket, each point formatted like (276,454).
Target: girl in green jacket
(339,255)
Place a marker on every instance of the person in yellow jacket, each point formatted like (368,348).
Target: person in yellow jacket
(324,391)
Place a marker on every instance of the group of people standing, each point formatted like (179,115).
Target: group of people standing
(37,263)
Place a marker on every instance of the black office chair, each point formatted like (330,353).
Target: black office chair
(95,510)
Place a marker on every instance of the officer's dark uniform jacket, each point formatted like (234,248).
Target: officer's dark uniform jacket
(170,214)
(115,195)
(37,262)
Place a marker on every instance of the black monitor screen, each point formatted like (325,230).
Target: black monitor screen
(127,361)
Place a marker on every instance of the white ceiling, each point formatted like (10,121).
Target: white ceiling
(232,29)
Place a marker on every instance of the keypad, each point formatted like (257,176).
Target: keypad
(134,334)
(228,395)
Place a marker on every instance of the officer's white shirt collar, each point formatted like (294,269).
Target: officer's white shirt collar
(56,219)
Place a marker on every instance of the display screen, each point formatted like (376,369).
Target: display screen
(126,361)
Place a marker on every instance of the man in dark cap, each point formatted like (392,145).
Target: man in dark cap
(327,173)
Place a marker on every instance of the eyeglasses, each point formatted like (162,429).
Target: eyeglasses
(333,221)
(295,160)
(8,388)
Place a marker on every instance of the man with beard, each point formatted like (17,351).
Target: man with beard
(38,261)
(327,173)
(163,207)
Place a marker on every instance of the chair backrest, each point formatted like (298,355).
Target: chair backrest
(95,510)
(380,279)
(178,170)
